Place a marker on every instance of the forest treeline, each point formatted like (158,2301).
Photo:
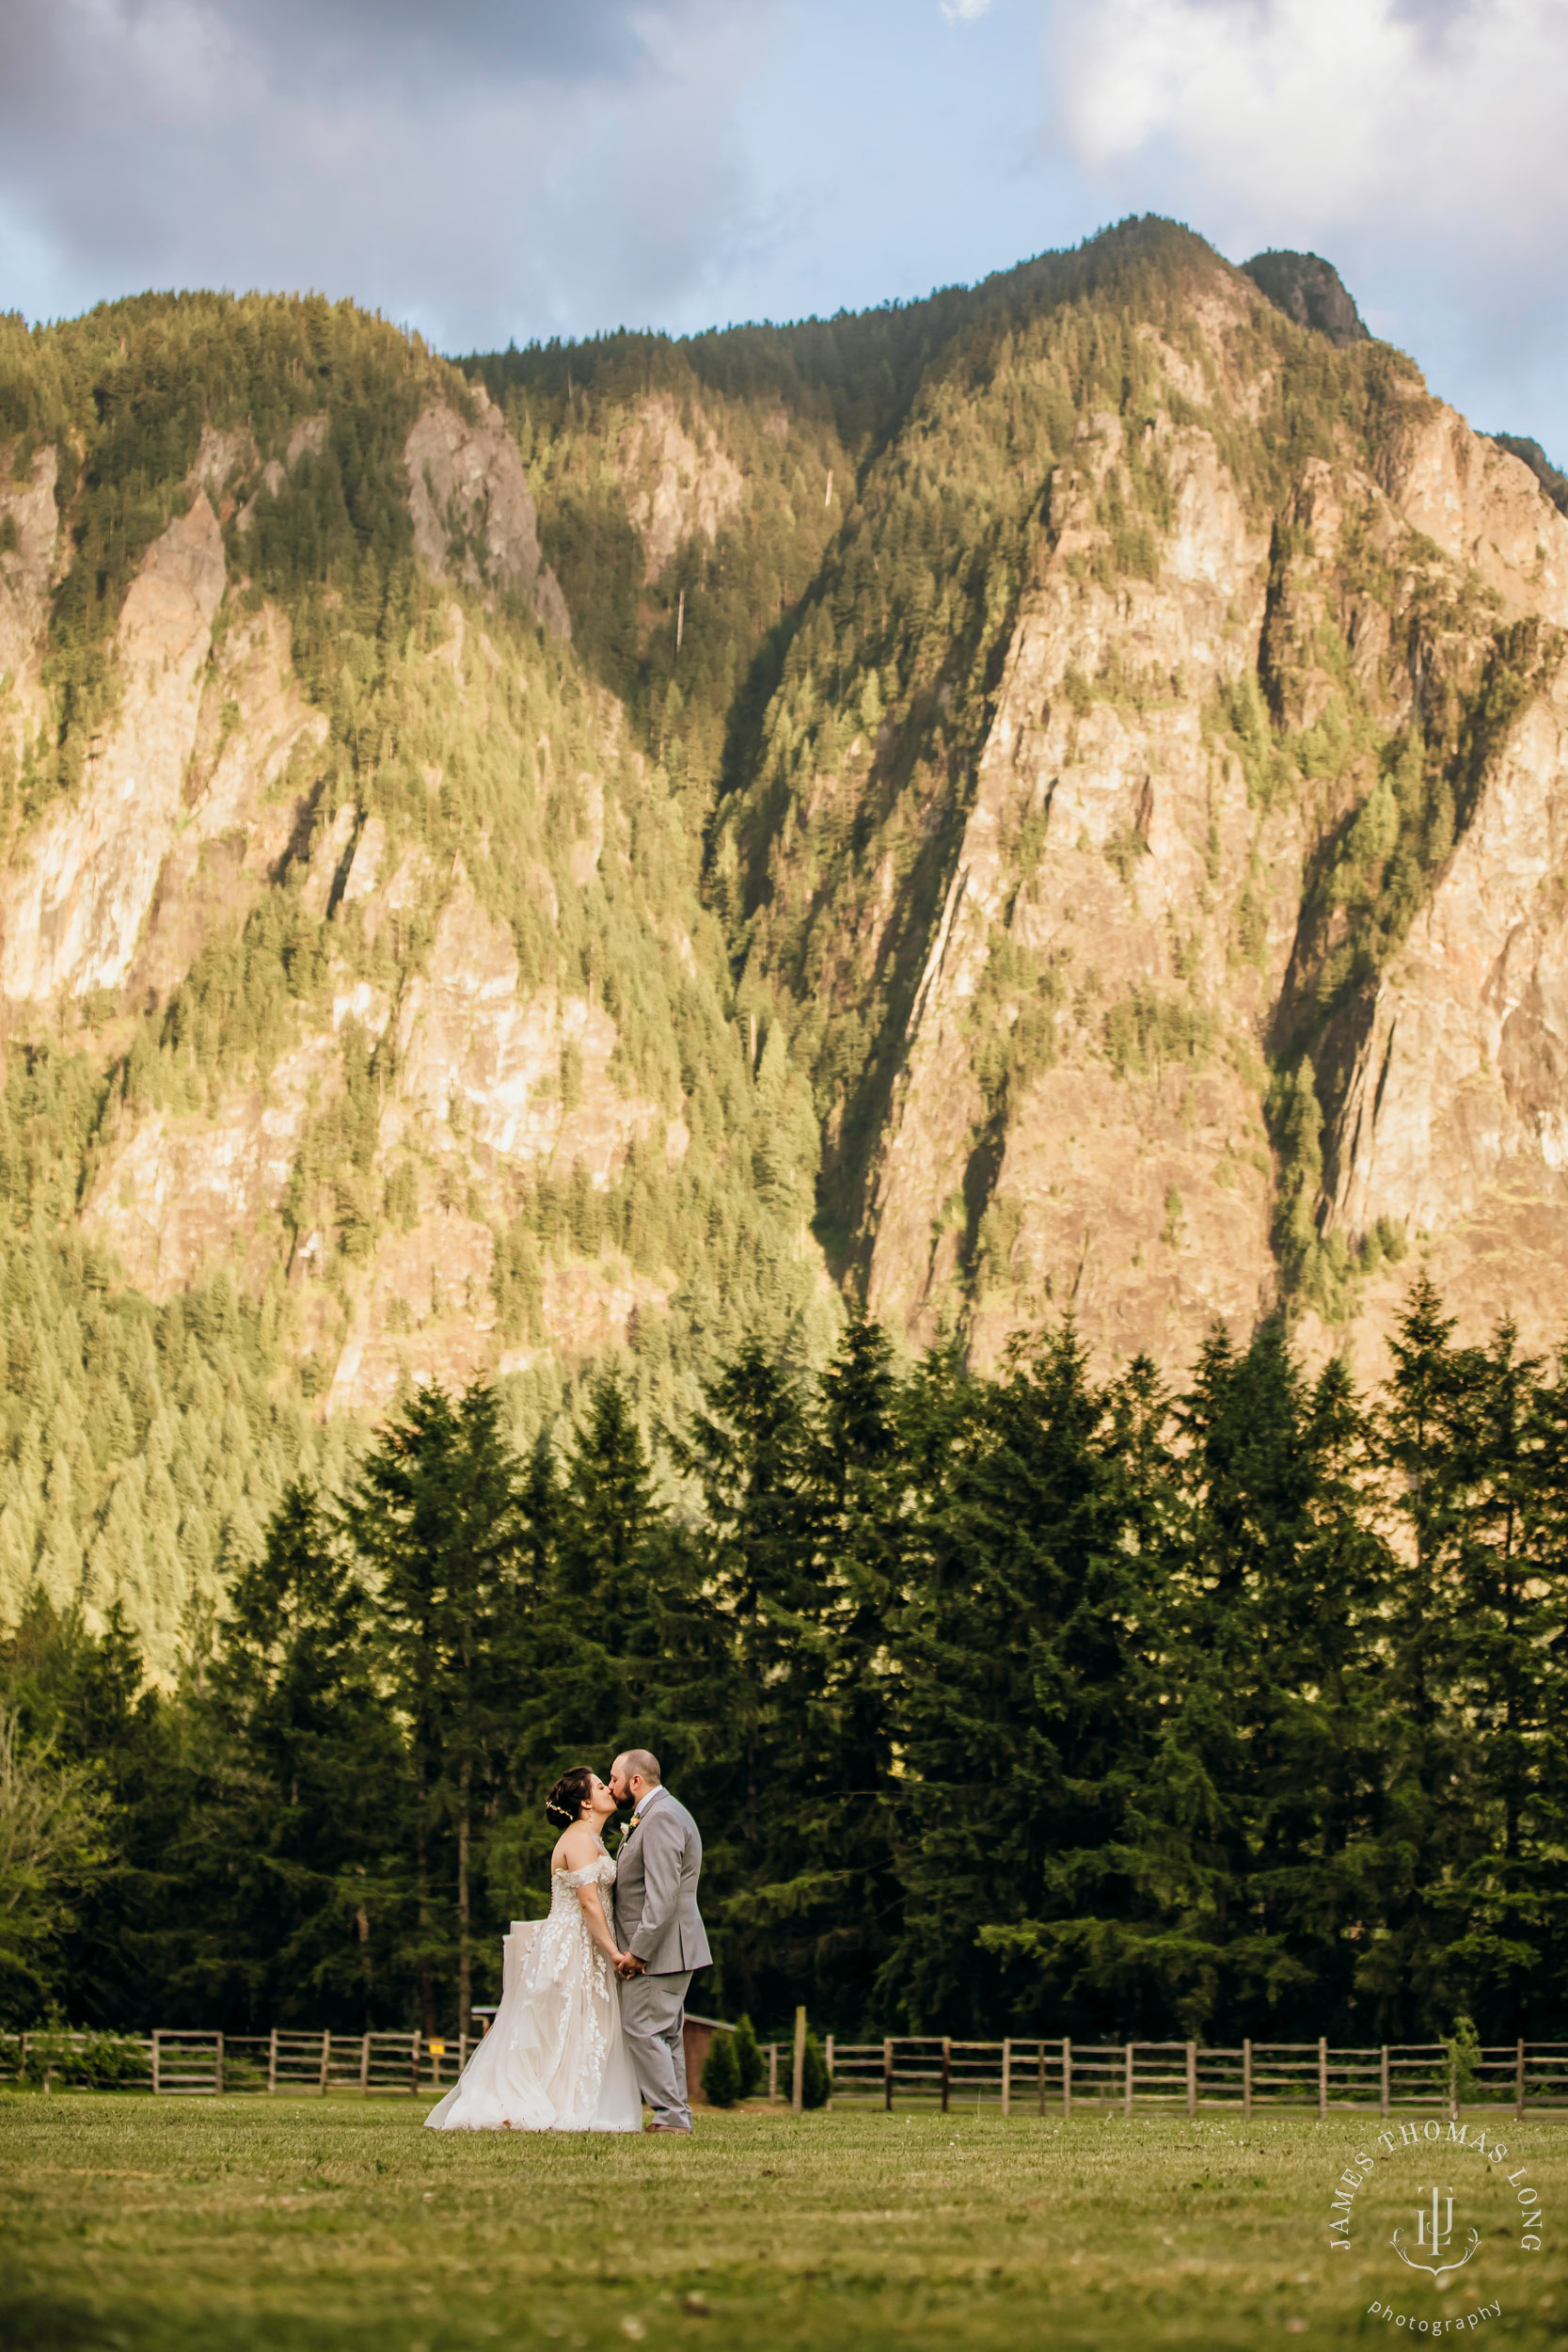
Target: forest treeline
(1021,1702)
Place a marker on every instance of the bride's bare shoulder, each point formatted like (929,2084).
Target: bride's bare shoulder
(576,1847)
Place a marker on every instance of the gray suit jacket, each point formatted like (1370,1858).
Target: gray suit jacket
(656,1869)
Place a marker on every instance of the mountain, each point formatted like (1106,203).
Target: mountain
(1552,481)
(1045,798)
(1310,290)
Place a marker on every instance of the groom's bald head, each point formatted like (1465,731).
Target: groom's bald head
(634,1769)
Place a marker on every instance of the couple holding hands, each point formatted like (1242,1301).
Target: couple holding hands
(590,2027)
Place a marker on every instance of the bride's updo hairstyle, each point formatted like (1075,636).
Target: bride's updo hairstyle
(566,1800)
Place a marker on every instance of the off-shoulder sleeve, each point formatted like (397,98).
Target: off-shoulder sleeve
(577,1878)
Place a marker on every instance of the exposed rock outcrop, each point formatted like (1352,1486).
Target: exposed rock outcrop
(1139,1196)
(29,532)
(1160,906)
(472,509)
(1310,290)
(236,828)
(75,895)
(677,483)
(1551,478)
(1455,1123)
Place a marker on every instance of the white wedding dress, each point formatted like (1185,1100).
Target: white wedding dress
(554,2058)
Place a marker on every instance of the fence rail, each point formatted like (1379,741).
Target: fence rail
(296,2065)
(1179,2077)
(1020,2075)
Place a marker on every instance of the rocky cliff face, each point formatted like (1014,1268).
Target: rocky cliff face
(1310,290)
(1196,974)
(1179,911)
(359,993)
(79,885)
(1047,800)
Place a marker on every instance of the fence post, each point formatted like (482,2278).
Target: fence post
(1041,2071)
(1323,2075)
(946,2070)
(272,2061)
(1453,2085)
(772,2073)
(218,2068)
(887,2072)
(327,2060)
(157,2055)
(828,2054)
(414,2054)
(1066,2080)
(1007,2074)
(365,2066)
(1247,2077)
(462,2052)
(1192,2078)
(798,2088)
(1519,2080)
(1385,2081)
(1128,2094)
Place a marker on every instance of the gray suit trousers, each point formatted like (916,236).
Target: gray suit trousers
(652,2012)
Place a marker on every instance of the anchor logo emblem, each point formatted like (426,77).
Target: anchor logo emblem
(1435,2235)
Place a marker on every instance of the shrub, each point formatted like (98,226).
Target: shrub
(1464,2067)
(90,2061)
(815,2082)
(721,2072)
(750,2062)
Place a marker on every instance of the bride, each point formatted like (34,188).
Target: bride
(554,2060)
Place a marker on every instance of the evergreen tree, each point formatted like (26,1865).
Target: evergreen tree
(750,2066)
(1032,1715)
(1509,1598)
(304,1787)
(1424,1815)
(844,1889)
(748,1454)
(721,2073)
(1029,1704)
(86,1696)
(434,1516)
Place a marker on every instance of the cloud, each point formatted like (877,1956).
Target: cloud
(1417,143)
(481,167)
(1318,113)
(963,11)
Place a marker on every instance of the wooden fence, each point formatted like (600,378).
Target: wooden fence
(294,2064)
(1179,2077)
(931,2071)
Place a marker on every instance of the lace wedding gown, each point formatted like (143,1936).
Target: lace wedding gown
(554,2060)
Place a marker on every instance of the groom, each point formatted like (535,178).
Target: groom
(659,1929)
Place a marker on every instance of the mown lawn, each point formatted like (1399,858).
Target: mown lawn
(292,2223)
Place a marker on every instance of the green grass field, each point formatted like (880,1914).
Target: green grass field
(292,2223)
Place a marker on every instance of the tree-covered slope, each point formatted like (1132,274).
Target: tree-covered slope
(353,940)
(1041,797)
(1159,689)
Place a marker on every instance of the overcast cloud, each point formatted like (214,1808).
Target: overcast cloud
(484,169)
(1419,145)
(477,167)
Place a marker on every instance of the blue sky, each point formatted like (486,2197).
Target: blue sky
(495,169)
